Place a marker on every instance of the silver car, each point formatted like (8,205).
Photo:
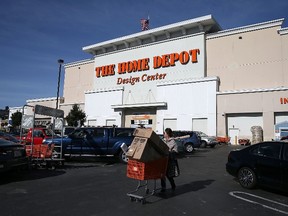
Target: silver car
(206,140)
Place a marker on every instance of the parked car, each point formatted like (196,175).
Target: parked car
(206,140)
(187,144)
(8,136)
(265,163)
(12,155)
(94,141)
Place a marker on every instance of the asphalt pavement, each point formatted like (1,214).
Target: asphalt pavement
(100,187)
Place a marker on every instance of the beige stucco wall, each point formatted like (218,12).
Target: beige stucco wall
(48,102)
(284,55)
(255,61)
(79,77)
(252,65)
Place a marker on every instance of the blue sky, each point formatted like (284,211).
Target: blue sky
(34,34)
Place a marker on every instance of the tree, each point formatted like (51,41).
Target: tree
(75,115)
(16,119)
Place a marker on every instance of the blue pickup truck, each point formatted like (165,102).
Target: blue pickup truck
(95,141)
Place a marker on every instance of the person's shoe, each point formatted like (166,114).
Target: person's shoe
(163,190)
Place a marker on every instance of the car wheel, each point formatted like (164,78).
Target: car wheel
(203,144)
(212,146)
(247,178)
(189,147)
(123,157)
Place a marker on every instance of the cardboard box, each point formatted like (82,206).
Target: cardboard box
(147,133)
(142,149)
(159,145)
(131,150)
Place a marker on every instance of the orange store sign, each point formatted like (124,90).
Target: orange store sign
(163,61)
(284,100)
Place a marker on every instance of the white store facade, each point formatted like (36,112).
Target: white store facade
(159,84)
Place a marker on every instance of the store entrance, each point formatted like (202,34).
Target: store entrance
(140,118)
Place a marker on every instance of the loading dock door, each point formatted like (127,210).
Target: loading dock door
(281,117)
(92,122)
(170,123)
(200,125)
(244,123)
(110,122)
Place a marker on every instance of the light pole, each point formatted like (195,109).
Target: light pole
(60,62)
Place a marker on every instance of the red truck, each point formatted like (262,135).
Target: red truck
(39,135)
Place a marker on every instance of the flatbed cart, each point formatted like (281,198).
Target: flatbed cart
(43,156)
(145,172)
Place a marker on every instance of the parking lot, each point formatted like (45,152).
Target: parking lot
(100,187)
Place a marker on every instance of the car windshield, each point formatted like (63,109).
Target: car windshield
(124,132)
(77,133)
(202,134)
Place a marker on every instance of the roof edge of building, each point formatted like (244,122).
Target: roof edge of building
(77,63)
(181,24)
(194,80)
(42,99)
(121,88)
(283,31)
(242,91)
(248,28)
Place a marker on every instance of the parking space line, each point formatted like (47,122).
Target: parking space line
(234,194)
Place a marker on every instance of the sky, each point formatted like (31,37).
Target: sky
(34,34)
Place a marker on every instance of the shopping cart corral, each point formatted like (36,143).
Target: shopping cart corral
(145,173)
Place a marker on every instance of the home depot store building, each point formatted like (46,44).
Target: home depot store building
(189,75)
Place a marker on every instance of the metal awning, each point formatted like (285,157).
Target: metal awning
(139,105)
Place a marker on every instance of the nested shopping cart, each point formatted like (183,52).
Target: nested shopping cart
(42,156)
(145,172)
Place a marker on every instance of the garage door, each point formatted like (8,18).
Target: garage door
(280,117)
(170,123)
(200,125)
(92,122)
(244,122)
(110,122)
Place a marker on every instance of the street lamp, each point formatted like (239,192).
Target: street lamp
(60,62)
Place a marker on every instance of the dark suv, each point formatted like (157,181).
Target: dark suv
(187,144)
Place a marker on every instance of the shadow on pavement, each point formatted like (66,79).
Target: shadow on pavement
(186,188)
(26,175)
(92,160)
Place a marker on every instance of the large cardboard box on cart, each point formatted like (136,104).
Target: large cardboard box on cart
(148,156)
(155,140)
(142,149)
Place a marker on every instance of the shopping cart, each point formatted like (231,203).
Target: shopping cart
(42,156)
(144,172)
